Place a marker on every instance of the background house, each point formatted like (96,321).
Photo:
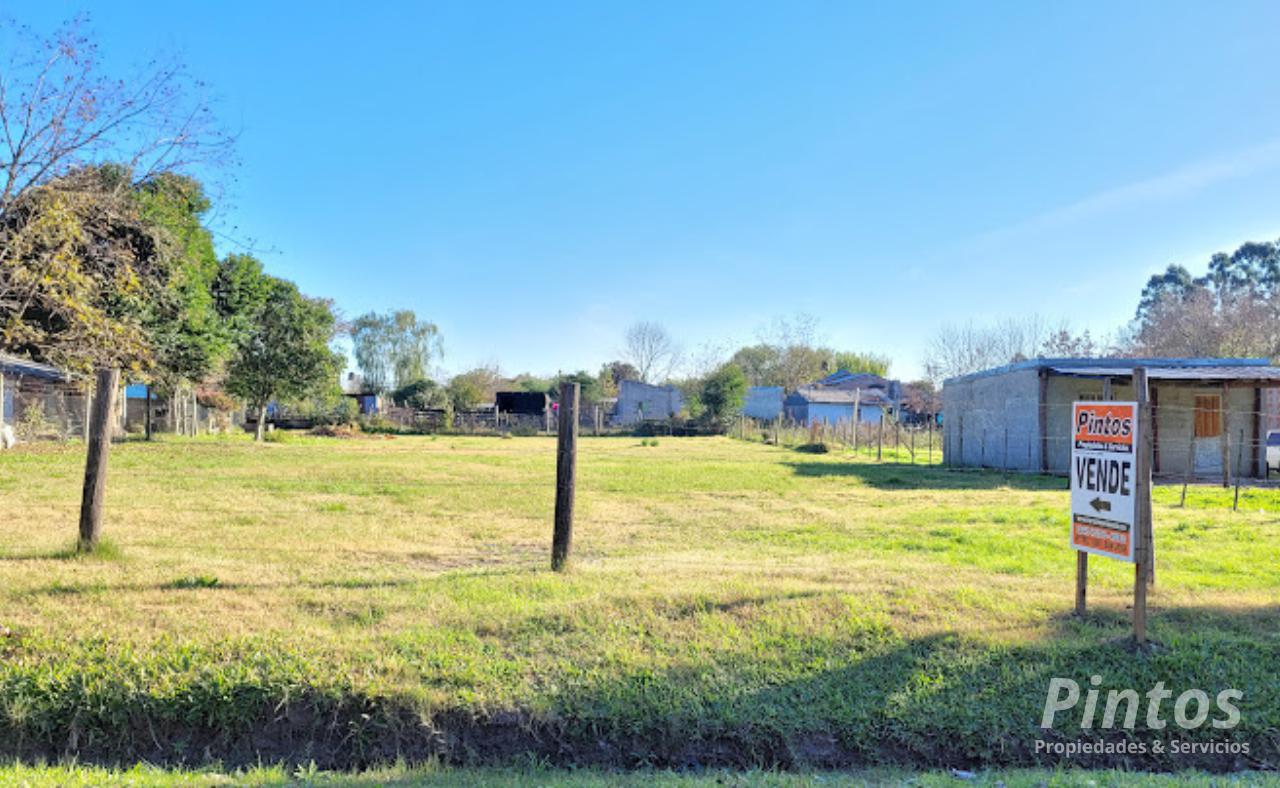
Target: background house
(522,403)
(1204,410)
(39,397)
(639,402)
(367,399)
(843,397)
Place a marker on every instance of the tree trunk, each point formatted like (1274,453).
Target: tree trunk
(262,423)
(148,411)
(95,469)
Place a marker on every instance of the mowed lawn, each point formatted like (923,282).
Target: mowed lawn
(730,603)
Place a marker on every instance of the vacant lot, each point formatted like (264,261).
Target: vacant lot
(730,603)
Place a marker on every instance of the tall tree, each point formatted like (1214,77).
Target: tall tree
(190,340)
(723,392)
(473,387)
(852,361)
(81,269)
(286,354)
(394,349)
(1232,310)
(651,350)
(61,112)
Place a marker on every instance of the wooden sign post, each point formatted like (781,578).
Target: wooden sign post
(566,475)
(1111,490)
(1143,550)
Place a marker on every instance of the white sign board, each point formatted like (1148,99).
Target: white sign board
(1104,478)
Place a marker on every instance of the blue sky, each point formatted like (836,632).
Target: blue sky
(535,176)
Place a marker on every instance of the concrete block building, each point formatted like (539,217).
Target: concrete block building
(640,402)
(763,402)
(1209,414)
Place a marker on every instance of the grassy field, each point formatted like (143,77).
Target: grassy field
(345,602)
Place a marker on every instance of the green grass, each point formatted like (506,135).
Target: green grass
(66,776)
(730,603)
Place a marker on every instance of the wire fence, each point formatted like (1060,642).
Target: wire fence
(887,440)
(1202,441)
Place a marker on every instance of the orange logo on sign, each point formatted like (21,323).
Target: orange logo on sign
(1098,423)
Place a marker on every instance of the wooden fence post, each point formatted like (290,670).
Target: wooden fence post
(880,437)
(566,475)
(95,469)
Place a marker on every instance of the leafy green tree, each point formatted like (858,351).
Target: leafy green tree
(588,386)
(395,348)
(286,354)
(188,338)
(239,291)
(81,269)
(472,388)
(422,394)
(855,362)
(723,393)
(1232,310)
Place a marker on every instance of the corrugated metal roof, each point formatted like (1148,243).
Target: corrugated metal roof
(1112,365)
(1256,372)
(863,379)
(16,365)
(841,396)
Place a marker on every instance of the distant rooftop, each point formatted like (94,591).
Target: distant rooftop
(1157,368)
(16,365)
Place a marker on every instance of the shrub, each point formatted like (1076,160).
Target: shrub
(33,425)
(814,448)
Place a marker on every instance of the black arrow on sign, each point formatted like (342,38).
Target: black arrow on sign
(1100,505)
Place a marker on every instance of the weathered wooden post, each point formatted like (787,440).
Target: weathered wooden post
(566,475)
(1143,540)
(880,438)
(95,469)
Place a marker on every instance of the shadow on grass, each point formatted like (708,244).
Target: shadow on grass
(864,696)
(209,583)
(947,700)
(102,551)
(910,477)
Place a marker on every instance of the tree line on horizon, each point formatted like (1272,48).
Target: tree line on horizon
(1232,310)
(394,352)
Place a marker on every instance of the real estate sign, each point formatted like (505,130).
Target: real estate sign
(1104,478)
